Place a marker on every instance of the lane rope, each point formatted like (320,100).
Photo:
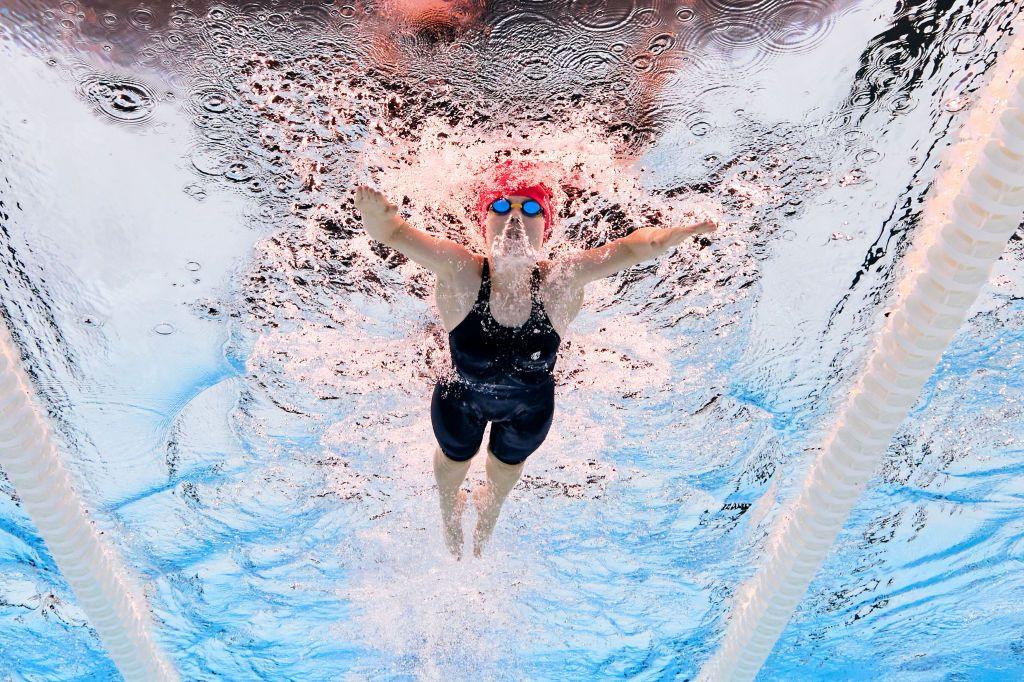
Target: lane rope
(977,205)
(92,568)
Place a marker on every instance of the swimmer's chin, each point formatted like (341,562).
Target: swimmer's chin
(513,262)
(513,253)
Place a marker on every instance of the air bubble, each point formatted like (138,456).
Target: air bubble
(957,104)
(240,170)
(536,68)
(120,99)
(214,100)
(966,43)
(863,99)
(164,329)
(902,104)
(140,17)
(684,14)
(181,17)
(700,128)
(662,43)
(642,63)
(192,266)
(869,156)
(195,191)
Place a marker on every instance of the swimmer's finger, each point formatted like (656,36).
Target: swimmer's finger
(365,191)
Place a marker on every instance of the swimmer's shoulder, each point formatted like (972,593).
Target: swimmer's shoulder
(464,280)
(562,300)
(552,274)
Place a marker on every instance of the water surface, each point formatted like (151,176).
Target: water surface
(240,379)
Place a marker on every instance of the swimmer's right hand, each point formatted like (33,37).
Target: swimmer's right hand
(378,213)
(372,203)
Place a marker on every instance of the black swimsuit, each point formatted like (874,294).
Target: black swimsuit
(504,376)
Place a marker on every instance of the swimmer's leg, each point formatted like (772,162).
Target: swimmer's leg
(450,475)
(516,438)
(487,499)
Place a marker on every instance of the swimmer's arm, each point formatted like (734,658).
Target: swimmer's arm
(583,267)
(638,246)
(443,257)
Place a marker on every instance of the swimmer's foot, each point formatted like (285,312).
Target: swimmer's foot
(488,506)
(451,524)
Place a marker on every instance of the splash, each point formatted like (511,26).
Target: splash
(512,248)
(576,157)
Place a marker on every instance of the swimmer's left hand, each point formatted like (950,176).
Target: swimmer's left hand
(702,227)
(649,242)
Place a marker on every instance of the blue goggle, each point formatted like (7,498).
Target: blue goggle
(530,208)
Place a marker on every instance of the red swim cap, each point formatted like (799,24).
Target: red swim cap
(514,178)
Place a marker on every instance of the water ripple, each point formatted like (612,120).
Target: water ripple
(121,99)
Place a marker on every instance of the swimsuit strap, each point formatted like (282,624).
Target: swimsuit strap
(483,296)
(535,303)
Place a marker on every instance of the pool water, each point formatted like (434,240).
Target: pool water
(239,378)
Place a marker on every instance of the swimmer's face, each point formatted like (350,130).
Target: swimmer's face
(532,225)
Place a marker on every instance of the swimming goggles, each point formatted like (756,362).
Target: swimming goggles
(529,207)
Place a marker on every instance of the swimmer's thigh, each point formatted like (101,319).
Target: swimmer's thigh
(458,426)
(514,439)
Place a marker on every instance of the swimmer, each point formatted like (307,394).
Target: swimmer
(506,313)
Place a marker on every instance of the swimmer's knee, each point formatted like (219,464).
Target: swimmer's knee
(508,461)
(455,458)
